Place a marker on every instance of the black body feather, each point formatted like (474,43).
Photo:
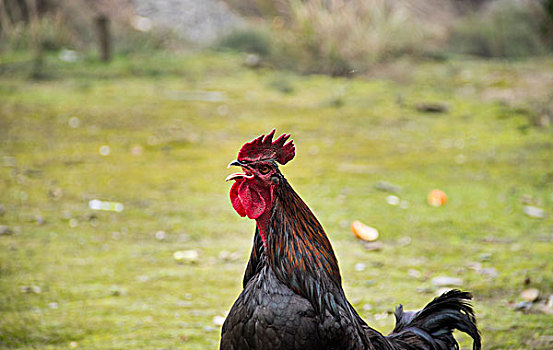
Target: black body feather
(293,297)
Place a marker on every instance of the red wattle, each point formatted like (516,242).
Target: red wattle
(235,200)
(252,201)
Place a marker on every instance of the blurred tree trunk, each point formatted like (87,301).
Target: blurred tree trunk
(104,37)
(30,10)
(5,20)
(547,6)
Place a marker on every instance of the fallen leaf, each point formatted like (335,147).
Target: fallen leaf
(437,198)
(364,232)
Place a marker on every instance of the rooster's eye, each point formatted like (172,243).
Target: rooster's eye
(264,169)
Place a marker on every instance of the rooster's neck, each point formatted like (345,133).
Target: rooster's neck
(297,247)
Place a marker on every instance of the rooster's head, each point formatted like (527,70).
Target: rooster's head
(253,189)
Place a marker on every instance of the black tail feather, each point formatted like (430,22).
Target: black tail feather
(432,327)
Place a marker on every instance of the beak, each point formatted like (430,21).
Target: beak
(238,175)
(235,163)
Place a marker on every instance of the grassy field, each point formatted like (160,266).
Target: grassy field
(156,132)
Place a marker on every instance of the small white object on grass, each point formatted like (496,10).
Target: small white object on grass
(97,204)
(447,281)
(218,320)
(105,150)
(74,122)
(414,273)
(392,200)
(160,235)
(186,256)
(534,212)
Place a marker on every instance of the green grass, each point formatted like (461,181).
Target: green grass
(107,283)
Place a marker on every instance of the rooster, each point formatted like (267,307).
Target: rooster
(292,295)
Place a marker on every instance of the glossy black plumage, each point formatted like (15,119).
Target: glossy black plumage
(293,297)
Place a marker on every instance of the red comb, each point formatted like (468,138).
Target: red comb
(264,147)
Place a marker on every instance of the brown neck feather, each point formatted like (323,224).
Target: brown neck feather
(297,247)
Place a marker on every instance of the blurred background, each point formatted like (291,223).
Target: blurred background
(428,121)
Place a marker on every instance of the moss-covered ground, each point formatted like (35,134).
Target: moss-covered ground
(72,277)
